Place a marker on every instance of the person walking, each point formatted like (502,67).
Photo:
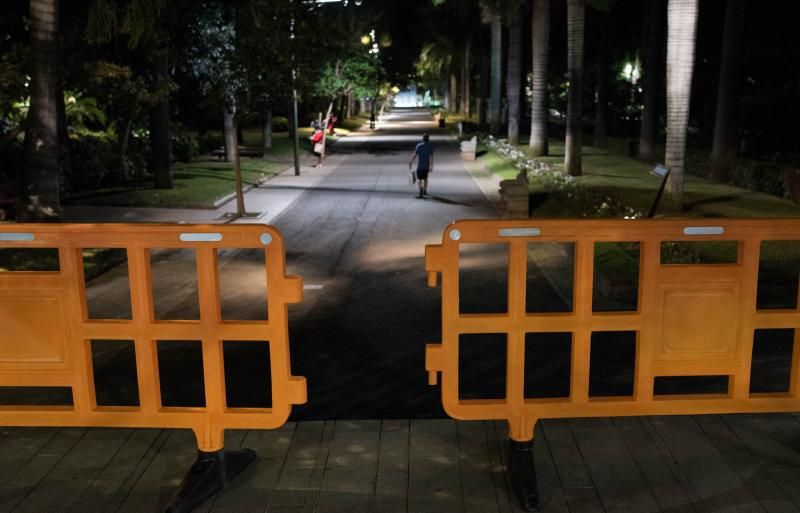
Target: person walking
(423,154)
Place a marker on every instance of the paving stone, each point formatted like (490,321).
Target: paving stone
(391,492)
(394,446)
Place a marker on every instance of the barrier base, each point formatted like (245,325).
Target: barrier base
(522,472)
(209,475)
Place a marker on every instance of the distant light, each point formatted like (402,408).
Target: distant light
(365,40)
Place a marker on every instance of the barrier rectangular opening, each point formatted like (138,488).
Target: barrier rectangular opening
(482,366)
(36,396)
(699,252)
(114,370)
(29,260)
(616,277)
(107,282)
(691,385)
(242,284)
(251,385)
(778,271)
(483,278)
(771,366)
(548,365)
(550,277)
(174,282)
(180,371)
(612,364)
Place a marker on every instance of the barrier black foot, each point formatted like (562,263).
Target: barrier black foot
(522,473)
(209,475)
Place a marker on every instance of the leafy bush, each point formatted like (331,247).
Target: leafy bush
(209,142)
(95,164)
(183,146)
(280,124)
(759,176)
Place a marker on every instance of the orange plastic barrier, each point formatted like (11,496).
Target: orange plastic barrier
(692,320)
(46,333)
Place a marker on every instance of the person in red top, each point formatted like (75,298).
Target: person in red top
(331,123)
(316,141)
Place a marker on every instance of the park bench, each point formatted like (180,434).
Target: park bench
(469,149)
(515,197)
(244,151)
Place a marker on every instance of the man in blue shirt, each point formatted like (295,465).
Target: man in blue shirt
(423,153)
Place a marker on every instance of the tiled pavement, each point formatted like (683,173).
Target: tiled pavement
(713,463)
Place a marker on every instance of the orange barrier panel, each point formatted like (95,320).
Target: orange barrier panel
(46,333)
(692,320)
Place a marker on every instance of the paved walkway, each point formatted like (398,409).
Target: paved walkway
(356,234)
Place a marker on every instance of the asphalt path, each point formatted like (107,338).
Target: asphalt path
(358,240)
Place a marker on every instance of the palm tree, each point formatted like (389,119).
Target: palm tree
(466,78)
(496,73)
(39,198)
(540,25)
(576,11)
(653,54)
(514,77)
(726,138)
(681,36)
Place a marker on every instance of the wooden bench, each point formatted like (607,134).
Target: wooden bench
(244,151)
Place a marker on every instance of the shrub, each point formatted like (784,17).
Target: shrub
(209,142)
(95,164)
(758,176)
(183,146)
(280,124)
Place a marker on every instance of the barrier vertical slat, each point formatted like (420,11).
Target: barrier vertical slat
(72,273)
(582,306)
(214,373)
(515,339)
(142,311)
(450,319)
(749,251)
(649,262)
(794,380)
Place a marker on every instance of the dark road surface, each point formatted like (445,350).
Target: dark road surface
(361,235)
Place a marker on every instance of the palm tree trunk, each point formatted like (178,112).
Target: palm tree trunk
(483,84)
(540,26)
(466,101)
(453,107)
(159,125)
(267,144)
(726,128)
(681,36)
(601,109)
(496,75)
(513,79)
(576,11)
(39,198)
(655,12)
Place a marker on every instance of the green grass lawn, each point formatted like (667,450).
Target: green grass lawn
(198,184)
(629,181)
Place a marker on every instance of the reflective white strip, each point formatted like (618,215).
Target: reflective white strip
(455,234)
(201,237)
(313,286)
(266,239)
(520,232)
(16,237)
(703,230)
